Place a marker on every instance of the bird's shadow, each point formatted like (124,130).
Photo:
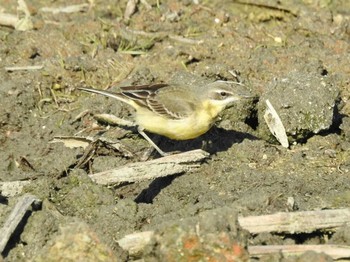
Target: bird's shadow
(217,140)
(214,141)
(148,194)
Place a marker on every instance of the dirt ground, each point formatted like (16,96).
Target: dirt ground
(294,53)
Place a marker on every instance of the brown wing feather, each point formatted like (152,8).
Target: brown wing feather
(140,94)
(164,110)
(173,102)
(153,88)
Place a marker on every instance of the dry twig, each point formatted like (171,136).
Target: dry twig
(8,20)
(23,68)
(114,120)
(334,251)
(271,7)
(161,167)
(66,9)
(185,40)
(15,218)
(296,222)
(85,142)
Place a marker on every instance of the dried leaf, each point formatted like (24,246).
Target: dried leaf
(72,141)
(275,124)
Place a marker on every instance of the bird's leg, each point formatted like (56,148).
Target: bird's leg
(145,136)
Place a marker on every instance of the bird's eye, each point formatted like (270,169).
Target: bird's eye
(223,94)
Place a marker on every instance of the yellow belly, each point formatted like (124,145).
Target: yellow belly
(182,129)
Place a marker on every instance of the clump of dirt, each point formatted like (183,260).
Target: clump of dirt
(294,97)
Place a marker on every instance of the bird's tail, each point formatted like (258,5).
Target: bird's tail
(118,96)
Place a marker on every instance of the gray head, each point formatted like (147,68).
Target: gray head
(222,93)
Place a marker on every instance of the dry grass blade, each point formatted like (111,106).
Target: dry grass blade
(66,9)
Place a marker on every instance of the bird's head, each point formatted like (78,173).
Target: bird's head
(223,94)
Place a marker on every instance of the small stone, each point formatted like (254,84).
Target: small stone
(76,242)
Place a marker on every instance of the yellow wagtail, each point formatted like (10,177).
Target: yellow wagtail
(175,111)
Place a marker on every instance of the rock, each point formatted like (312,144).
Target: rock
(305,102)
(77,242)
(345,127)
(211,236)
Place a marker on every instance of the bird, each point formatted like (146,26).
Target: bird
(179,112)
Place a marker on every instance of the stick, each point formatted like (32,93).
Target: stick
(140,171)
(66,9)
(334,251)
(186,40)
(296,222)
(114,120)
(8,20)
(86,142)
(15,218)
(22,68)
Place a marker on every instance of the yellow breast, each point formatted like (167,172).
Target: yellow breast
(177,129)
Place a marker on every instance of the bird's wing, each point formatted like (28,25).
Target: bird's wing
(174,108)
(141,93)
(151,88)
(171,101)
